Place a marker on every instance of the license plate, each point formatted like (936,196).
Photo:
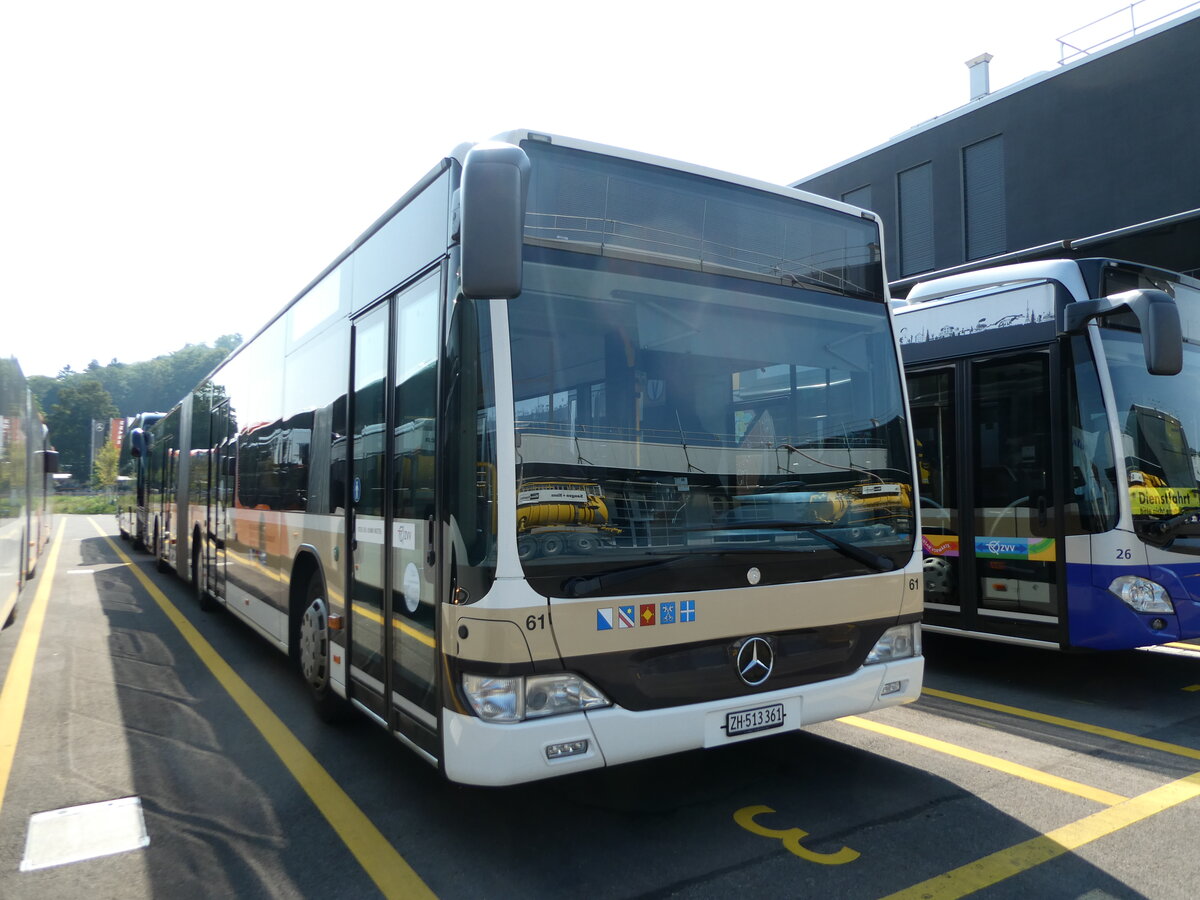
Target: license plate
(761,718)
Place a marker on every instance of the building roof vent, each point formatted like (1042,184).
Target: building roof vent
(979,75)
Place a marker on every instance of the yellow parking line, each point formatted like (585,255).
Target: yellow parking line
(20,670)
(1024,856)
(993,762)
(1123,736)
(386,867)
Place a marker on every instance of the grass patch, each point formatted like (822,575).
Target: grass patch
(83,504)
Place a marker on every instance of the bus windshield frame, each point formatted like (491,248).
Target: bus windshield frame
(680,430)
(1158,421)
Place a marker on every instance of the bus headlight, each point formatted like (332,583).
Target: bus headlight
(898,642)
(1142,595)
(516,698)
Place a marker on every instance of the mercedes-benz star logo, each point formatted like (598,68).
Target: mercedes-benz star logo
(755,659)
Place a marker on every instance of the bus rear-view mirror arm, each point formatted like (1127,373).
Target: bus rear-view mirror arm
(1157,316)
(490,210)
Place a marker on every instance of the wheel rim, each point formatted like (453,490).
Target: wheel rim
(314,644)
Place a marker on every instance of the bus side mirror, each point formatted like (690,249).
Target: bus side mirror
(1157,316)
(139,443)
(491,210)
(1162,334)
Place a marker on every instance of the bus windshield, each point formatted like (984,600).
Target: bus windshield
(678,430)
(1159,419)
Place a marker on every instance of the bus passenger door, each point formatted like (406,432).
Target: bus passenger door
(368,458)
(1016,540)
(931,395)
(220,491)
(393,630)
(413,604)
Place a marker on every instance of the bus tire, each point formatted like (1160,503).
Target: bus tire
(203,598)
(156,550)
(313,653)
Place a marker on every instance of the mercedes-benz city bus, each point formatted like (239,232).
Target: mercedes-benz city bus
(133,510)
(26,464)
(576,457)
(1054,404)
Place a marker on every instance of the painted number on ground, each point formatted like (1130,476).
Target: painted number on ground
(791,838)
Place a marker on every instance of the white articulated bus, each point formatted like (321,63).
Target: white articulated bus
(576,457)
(1054,404)
(26,463)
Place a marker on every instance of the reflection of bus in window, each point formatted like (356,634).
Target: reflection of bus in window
(1058,483)
(627,475)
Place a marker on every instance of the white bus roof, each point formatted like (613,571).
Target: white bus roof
(1065,271)
(515,137)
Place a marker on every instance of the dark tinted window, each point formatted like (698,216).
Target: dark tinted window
(915,187)
(577,196)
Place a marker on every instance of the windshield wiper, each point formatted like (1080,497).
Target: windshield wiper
(853,551)
(582,585)
(1167,529)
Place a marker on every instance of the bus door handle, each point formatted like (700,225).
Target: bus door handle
(430,556)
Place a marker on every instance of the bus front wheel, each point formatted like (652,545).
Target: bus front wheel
(313,652)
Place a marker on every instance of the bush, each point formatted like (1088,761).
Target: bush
(84,505)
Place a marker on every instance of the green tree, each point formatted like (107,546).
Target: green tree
(81,399)
(45,391)
(71,400)
(156,384)
(105,473)
(160,383)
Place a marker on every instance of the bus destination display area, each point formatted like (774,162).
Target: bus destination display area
(159,752)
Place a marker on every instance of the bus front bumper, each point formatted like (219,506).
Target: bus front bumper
(481,753)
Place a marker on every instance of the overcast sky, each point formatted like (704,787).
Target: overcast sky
(177,171)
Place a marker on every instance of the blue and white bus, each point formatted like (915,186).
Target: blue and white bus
(1054,405)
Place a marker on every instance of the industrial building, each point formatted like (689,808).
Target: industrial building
(1099,157)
